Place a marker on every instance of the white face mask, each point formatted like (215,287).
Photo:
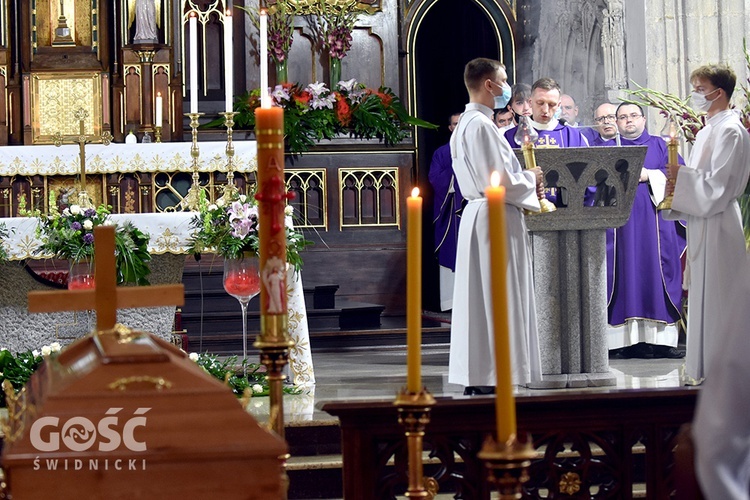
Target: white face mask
(699,102)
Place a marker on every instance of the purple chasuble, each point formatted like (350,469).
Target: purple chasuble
(446,206)
(644,272)
(561,136)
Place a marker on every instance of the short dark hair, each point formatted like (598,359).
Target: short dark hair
(479,69)
(500,111)
(617,111)
(546,84)
(450,116)
(720,75)
(520,92)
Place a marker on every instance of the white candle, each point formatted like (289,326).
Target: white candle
(158,119)
(265,99)
(228,68)
(193,20)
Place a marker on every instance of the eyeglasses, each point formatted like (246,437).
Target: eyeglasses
(632,116)
(605,118)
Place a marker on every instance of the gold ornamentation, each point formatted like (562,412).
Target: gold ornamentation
(52,96)
(369,183)
(570,483)
(121,384)
(12,426)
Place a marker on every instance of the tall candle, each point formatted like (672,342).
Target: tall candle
(265,99)
(193,24)
(271,195)
(505,405)
(228,62)
(159,105)
(414,292)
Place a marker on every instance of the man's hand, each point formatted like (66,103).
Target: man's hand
(539,181)
(644,175)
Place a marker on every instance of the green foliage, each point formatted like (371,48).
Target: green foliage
(3,236)
(233,375)
(18,369)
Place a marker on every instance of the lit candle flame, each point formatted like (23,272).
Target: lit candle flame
(415,192)
(495,179)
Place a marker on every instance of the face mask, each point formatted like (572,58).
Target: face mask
(502,100)
(557,114)
(699,102)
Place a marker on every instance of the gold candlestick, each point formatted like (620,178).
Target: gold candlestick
(191,200)
(230,190)
(671,134)
(526,136)
(414,415)
(157,133)
(507,465)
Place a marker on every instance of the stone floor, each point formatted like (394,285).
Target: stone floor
(378,373)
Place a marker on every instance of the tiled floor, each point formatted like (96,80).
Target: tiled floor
(378,373)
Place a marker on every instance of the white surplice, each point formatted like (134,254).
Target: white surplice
(477,149)
(705,195)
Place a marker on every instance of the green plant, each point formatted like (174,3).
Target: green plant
(233,375)
(69,235)
(3,236)
(18,369)
(231,229)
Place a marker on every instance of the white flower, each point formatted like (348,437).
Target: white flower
(66,212)
(280,94)
(193,356)
(243,198)
(35,353)
(220,202)
(88,225)
(348,85)
(288,210)
(55,346)
(257,388)
(212,207)
(108,222)
(75,209)
(46,350)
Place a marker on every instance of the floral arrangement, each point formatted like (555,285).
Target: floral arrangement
(314,112)
(280,27)
(336,21)
(230,229)
(18,369)
(3,236)
(228,372)
(69,235)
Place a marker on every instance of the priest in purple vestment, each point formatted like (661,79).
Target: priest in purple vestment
(545,101)
(644,272)
(447,202)
(605,128)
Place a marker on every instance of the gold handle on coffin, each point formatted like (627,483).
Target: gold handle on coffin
(159,383)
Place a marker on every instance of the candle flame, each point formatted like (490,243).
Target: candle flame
(263,12)
(193,14)
(495,179)
(228,12)
(415,192)
(158,94)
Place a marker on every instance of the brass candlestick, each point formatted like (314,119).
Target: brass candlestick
(274,344)
(191,200)
(529,159)
(230,190)
(507,465)
(157,133)
(414,415)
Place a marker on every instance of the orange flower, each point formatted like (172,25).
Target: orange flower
(303,97)
(343,111)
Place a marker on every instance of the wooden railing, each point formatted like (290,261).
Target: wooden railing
(589,445)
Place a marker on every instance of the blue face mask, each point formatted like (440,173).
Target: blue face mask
(502,100)
(558,113)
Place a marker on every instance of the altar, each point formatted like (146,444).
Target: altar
(168,245)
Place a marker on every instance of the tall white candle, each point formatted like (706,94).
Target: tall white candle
(158,119)
(193,23)
(228,63)
(265,99)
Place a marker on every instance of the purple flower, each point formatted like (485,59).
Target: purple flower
(90,212)
(88,238)
(76,226)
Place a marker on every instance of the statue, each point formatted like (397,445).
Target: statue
(147,17)
(613,46)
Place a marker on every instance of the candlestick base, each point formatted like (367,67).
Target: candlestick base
(414,415)
(666,203)
(274,344)
(157,134)
(507,465)
(230,190)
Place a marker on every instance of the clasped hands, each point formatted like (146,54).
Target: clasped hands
(539,181)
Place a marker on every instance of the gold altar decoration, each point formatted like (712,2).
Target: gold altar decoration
(525,137)
(191,200)
(51,98)
(230,190)
(414,415)
(507,465)
(84,200)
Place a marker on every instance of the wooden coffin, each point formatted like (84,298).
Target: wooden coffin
(127,415)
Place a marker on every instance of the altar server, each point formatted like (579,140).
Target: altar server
(477,149)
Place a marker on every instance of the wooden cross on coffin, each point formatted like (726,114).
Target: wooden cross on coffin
(106,297)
